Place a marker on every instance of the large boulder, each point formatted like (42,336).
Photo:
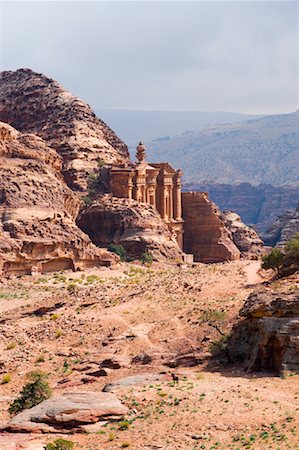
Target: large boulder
(70,412)
(245,238)
(38,211)
(268,338)
(138,227)
(34,103)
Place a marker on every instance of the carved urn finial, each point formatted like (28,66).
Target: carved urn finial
(141,152)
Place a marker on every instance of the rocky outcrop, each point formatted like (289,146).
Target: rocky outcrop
(284,229)
(37,211)
(268,338)
(245,238)
(71,412)
(205,235)
(33,103)
(136,226)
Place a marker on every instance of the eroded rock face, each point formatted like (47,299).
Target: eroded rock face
(283,229)
(136,226)
(245,238)
(72,411)
(205,235)
(37,211)
(268,338)
(33,103)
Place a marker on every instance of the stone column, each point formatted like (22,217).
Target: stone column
(177,203)
(170,210)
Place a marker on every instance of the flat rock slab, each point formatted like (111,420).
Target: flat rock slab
(136,380)
(69,412)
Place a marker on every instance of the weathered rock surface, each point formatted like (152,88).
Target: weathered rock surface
(136,226)
(37,211)
(33,103)
(205,235)
(283,229)
(268,338)
(245,238)
(70,412)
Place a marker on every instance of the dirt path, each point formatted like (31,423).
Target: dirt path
(251,270)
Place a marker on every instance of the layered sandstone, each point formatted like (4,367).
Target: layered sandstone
(205,235)
(37,210)
(136,226)
(268,338)
(245,238)
(33,103)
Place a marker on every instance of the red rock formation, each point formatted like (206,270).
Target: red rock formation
(38,211)
(33,103)
(137,226)
(205,235)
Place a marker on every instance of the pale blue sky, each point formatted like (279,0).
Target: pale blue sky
(232,56)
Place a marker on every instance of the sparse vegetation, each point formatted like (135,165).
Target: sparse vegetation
(34,392)
(147,259)
(6,378)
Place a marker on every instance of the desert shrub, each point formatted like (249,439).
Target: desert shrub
(212,315)
(274,260)
(6,378)
(87,200)
(60,444)
(34,392)
(118,250)
(292,247)
(72,288)
(147,259)
(219,346)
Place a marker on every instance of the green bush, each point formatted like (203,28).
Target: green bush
(292,247)
(118,250)
(274,260)
(60,444)
(34,392)
(147,259)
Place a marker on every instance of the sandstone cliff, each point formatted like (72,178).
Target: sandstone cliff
(268,338)
(245,238)
(138,227)
(33,103)
(205,235)
(283,229)
(38,211)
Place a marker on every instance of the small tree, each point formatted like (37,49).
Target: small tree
(292,247)
(34,392)
(118,250)
(274,260)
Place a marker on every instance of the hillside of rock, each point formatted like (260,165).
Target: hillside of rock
(136,226)
(267,339)
(258,151)
(257,205)
(283,229)
(37,211)
(33,103)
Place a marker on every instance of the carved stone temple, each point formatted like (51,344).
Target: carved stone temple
(157,184)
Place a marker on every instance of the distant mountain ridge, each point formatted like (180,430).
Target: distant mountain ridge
(133,126)
(258,151)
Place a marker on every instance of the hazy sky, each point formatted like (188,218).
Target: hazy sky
(229,56)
